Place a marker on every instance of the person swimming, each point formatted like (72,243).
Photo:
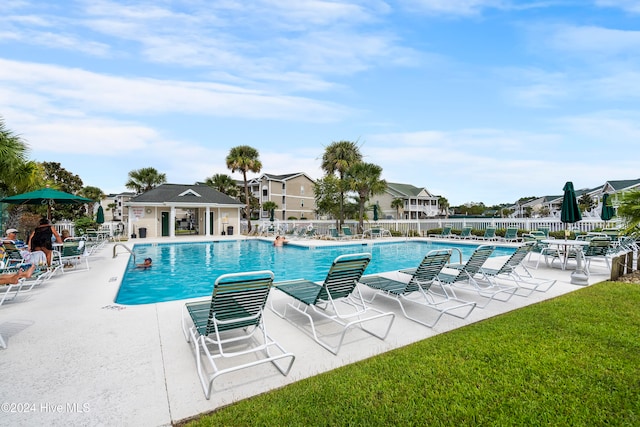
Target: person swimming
(280,240)
(148,262)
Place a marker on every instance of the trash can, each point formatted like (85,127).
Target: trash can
(143,232)
(230,230)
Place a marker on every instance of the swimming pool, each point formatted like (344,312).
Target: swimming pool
(188,270)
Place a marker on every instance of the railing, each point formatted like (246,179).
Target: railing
(422,226)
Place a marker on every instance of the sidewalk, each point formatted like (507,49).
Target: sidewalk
(74,357)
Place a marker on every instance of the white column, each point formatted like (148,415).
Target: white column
(130,223)
(207,228)
(172,222)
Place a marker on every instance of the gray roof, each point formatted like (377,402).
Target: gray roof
(200,194)
(405,190)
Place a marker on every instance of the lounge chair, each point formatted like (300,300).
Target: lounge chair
(417,289)
(511,235)
(229,319)
(333,233)
(465,278)
(445,233)
(376,232)
(489,234)
(509,271)
(465,233)
(346,232)
(599,249)
(337,300)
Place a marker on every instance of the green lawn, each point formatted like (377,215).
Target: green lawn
(573,360)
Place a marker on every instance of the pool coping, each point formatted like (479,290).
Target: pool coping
(76,357)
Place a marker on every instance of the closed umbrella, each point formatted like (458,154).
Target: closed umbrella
(375,212)
(607,210)
(100,215)
(272,215)
(45,196)
(570,212)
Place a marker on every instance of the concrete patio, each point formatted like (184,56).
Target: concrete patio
(74,357)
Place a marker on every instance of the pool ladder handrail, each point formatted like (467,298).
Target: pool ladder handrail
(126,247)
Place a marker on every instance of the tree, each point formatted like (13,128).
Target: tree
(444,206)
(223,183)
(586,203)
(145,179)
(397,204)
(338,157)
(269,206)
(629,211)
(13,155)
(61,179)
(112,207)
(244,158)
(364,179)
(327,194)
(93,193)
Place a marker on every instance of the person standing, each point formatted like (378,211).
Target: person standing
(41,239)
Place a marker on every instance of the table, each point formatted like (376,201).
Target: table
(579,276)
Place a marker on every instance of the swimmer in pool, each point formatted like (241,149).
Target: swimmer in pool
(146,264)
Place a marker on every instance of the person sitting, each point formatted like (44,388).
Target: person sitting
(280,240)
(42,237)
(14,278)
(148,262)
(65,234)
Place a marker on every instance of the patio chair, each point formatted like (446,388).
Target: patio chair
(417,290)
(224,328)
(599,249)
(489,234)
(465,278)
(509,271)
(445,233)
(511,235)
(72,255)
(333,233)
(465,233)
(337,300)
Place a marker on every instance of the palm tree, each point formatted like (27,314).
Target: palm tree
(338,157)
(223,183)
(145,179)
(93,193)
(269,206)
(364,179)
(13,155)
(444,206)
(244,159)
(629,210)
(397,204)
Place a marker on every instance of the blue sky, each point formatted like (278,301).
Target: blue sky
(476,100)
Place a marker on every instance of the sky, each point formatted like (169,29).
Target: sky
(475,100)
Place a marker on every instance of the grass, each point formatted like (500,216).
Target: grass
(573,360)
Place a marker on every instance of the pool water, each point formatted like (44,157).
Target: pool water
(189,270)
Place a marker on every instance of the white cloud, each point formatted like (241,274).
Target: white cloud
(628,5)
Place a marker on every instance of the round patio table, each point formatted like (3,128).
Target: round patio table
(579,276)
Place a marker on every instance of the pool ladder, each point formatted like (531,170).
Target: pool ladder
(126,247)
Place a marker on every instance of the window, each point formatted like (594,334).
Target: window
(302,190)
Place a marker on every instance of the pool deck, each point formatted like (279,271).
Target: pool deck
(74,357)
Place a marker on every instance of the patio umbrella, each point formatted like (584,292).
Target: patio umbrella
(100,215)
(272,215)
(375,212)
(607,210)
(45,196)
(570,212)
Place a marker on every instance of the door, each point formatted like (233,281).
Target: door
(165,224)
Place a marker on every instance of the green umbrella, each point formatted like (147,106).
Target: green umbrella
(45,196)
(607,210)
(272,215)
(570,212)
(375,212)
(100,215)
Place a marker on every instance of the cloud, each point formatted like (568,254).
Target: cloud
(627,5)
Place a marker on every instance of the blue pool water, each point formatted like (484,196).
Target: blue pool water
(188,270)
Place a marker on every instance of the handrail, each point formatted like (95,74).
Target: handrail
(126,247)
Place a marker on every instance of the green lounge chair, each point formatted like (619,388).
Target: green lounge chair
(465,233)
(445,233)
(511,235)
(225,327)
(337,300)
(489,234)
(346,232)
(418,290)
(465,278)
(509,271)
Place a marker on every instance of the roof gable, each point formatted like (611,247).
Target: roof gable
(180,193)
